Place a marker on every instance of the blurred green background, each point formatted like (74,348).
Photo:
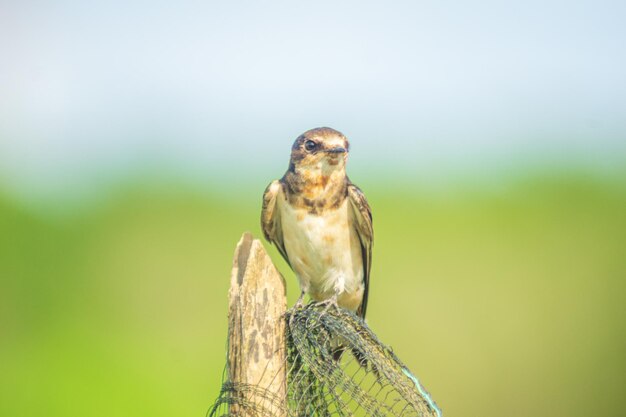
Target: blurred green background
(136,139)
(505,300)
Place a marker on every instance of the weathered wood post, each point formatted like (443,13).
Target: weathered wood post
(256,330)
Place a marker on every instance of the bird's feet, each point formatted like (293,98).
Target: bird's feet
(329,303)
(300,303)
(293,312)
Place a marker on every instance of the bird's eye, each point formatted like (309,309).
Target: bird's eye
(309,145)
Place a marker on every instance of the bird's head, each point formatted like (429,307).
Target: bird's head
(322,149)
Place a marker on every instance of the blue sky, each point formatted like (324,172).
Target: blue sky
(93,91)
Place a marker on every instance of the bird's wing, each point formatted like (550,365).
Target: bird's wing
(365,232)
(270,218)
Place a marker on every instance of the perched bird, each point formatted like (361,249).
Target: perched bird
(321,223)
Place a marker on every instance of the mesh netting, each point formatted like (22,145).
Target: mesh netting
(335,367)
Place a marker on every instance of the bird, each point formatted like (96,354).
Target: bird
(321,223)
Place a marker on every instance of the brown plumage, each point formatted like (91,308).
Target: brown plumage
(320,222)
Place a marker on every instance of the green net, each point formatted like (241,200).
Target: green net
(335,366)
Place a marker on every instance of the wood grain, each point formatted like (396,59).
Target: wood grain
(256,328)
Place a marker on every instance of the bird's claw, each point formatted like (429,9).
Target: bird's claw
(328,303)
(300,303)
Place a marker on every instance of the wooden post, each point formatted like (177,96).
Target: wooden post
(256,329)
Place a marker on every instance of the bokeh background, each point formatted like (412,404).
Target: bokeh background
(136,139)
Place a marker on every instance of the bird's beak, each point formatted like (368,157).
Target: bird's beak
(338,149)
